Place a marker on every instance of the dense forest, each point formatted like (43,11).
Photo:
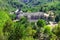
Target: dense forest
(23,29)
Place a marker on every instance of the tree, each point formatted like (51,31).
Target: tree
(40,30)
(7,29)
(57,18)
(12,16)
(41,23)
(23,20)
(5,25)
(16,34)
(56,30)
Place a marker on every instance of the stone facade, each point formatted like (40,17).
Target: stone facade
(33,17)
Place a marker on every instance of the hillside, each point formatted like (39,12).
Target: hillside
(24,5)
(29,19)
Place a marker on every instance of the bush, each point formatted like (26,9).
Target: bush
(41,23)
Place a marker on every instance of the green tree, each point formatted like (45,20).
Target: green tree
(5,24)
(41,23)
(56,31)
(57,18)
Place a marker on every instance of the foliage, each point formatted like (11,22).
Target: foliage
(30,5)
(5,24)
(56,30)
(23,29)
(41,23)
(12,16)
(47,29)
(57,18)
